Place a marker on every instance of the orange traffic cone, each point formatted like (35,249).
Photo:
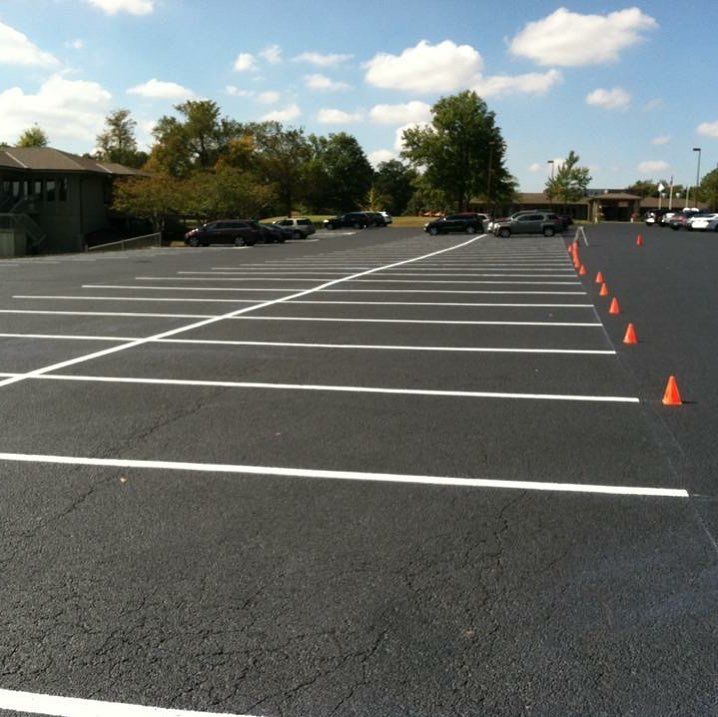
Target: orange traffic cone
(599,278)
(631,336)
(615,307)
(639,240)
(582,271)
(604,290)
(672,396)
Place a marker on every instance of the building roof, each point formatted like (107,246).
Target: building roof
(622,196)
(541,198)
(47,159)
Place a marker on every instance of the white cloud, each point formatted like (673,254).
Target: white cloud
(66,109)
(245,61)
(133,7)
(234,91)
(380,155)
(333,116)
(569,39)
(534,83)
(320,60)
(158,90)
(614,99)
(398,137)
(652,167)
(653,104)
(324,83)
(16,49)
(536,168)
(272,54)
(269,97)
(77,44)
(708,129)
(287,114)
(661,139)
(414,111)
(426,68)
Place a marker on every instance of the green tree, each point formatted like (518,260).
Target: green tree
(708,191)
(33,137)
(194,140)
(462,151)
(570,181)
(339,173)
(427,198)
(152,198)
(644,188)
(117,143)
(374,201)
(282,156)
(395,180)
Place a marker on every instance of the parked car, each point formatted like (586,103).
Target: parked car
(468,222)
(240,232)
(388,219)
(300,227)
(566,221)
(680,219)
(654,217)
(274,234)
(355,220)
(544,223)
(704,222)
(494,222)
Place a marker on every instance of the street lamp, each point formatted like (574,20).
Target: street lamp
(698,173)
(552,163)
(488,179)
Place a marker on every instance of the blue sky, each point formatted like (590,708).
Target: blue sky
(630,87)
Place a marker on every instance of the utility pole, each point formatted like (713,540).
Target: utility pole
(488,179)
(698,174)
(552,163)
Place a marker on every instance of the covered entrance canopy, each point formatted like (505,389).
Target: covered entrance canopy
(613,206)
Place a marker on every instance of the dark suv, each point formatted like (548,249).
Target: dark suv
(240,232)
(356,220)
(544,223)
(468,222)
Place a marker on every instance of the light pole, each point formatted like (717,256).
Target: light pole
(698,174)
(551,162)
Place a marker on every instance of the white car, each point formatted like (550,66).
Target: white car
(387,218)
(704,222)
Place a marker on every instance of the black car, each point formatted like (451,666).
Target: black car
(468,222)
(272,233)
(240,232)
(355,220)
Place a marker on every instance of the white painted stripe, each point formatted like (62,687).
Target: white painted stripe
(107,313)
(460,322)
(32,703)
(328,388)
(288,344)
(448,303)
(137,298)
(354,281)
(205,322)
(261,274)
(346,475)
(327,291)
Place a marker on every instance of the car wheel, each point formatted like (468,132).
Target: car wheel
(471,229)
(193,241)
(433,231)
(504,233)
(249,242)
(238,241)
(548,231)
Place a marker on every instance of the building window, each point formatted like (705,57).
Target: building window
(62,189)
(50,190)
(16,190)
(33,189)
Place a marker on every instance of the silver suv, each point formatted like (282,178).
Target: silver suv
(538,223)
(301,227)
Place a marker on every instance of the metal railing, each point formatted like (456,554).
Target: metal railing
(142,242)
(33,231)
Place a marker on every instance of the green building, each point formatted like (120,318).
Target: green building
(51,200)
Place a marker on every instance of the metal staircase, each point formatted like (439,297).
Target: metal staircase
(13,215)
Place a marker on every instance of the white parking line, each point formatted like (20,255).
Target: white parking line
(337,475)
(324,291)
(206,322)
(438,322)
(448,303)
(107,313)
(355,281)
(322,388)
(260,274)
(136,298)
(31,703)
(311,345)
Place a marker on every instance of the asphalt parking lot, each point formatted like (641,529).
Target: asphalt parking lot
(374,474)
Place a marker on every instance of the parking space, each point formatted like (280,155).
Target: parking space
(383,474)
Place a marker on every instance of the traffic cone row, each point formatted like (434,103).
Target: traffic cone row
(672,394)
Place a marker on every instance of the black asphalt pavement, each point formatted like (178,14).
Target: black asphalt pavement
(264,514)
